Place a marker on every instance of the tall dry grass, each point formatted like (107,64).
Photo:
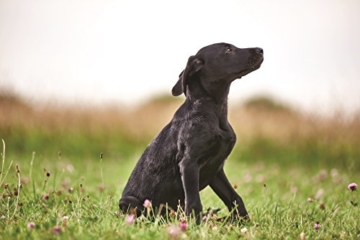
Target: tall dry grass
(265,130)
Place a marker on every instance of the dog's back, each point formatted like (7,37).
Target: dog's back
(189,153)
(156,175)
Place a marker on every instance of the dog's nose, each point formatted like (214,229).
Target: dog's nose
(259,51)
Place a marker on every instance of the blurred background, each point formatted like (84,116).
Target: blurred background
(84,77)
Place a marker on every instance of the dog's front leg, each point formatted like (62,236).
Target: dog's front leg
(222,187)
(190,180)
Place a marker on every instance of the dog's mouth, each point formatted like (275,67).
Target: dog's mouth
(254,63)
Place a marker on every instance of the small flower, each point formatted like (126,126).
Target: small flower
(130,219)
(174,231)
(46,197)
(82,189)
(319,194)
(147,203)
(335,175)
(3,217)
(101,187)
(247,177)
(244,230)
(302,236)
(172,213)
(70,168)
(64,183)
(30,225)
(317,226)
(310,199)
(65,220)
(322,175)
(352,186)
(57,229)
(183,225)
(215,228)
(24,180)
(293,189)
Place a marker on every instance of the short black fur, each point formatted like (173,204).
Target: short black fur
(190,152)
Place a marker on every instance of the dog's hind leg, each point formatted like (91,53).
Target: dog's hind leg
(128,204)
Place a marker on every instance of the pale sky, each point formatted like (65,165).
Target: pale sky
(126,51)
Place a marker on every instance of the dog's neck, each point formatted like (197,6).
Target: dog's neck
(210,94)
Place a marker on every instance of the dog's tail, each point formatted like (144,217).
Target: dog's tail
(129,204)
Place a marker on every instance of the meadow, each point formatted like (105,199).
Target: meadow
(63,169)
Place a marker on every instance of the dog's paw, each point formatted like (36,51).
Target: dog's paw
(210,214)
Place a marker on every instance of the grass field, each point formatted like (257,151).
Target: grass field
(292,171)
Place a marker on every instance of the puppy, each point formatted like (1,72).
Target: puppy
(189,153)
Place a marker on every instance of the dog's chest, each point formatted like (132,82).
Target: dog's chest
(217,152)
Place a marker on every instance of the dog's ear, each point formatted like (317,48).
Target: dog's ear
(193,66)
(178,88)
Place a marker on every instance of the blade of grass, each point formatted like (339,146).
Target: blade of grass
(102,176)
(18,190)
(31,179)
(3,160)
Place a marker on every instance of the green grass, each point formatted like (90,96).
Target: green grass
(281,160)
(80,194)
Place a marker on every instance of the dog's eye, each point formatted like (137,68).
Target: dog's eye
(228,49)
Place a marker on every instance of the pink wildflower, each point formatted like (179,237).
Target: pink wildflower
(183,225)
(57,229)
(101,187)
(30,225)
(174,231)
(46,197)
(317,226)
(130,219)
(64,183)
(147,203)
(352,186)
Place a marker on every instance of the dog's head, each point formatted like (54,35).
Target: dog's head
(219,63)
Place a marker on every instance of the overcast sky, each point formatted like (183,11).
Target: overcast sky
(126,51)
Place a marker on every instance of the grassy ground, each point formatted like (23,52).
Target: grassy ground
(77,198)
(291,170)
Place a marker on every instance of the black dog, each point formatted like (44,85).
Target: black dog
(190,152)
